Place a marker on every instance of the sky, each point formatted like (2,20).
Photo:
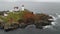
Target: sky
(34,5)
(31,0)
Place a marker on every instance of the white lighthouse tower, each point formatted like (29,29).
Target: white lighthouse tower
(22,8)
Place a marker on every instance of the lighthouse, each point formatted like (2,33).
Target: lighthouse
(22,8)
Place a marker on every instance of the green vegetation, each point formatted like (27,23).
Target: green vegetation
(11,15)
